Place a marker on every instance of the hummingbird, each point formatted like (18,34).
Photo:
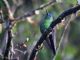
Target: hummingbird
(44,25)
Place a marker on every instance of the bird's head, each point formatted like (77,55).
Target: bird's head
(48,15)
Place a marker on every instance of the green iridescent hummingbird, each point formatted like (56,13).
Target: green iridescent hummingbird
(44,25)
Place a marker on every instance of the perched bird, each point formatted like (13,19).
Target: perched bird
(44,25)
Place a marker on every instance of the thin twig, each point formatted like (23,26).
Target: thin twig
(66,27)
(33,11)
(8,9)
(53,24)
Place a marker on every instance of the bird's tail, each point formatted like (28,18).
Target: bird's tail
(52,44)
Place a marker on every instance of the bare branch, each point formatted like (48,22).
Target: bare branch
(9,10)
(33,12)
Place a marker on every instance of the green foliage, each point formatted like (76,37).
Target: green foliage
(45,54)
(1,3)
(58,57)
(72,2)
(70,50)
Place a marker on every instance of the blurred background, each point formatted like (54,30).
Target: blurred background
(27,30)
